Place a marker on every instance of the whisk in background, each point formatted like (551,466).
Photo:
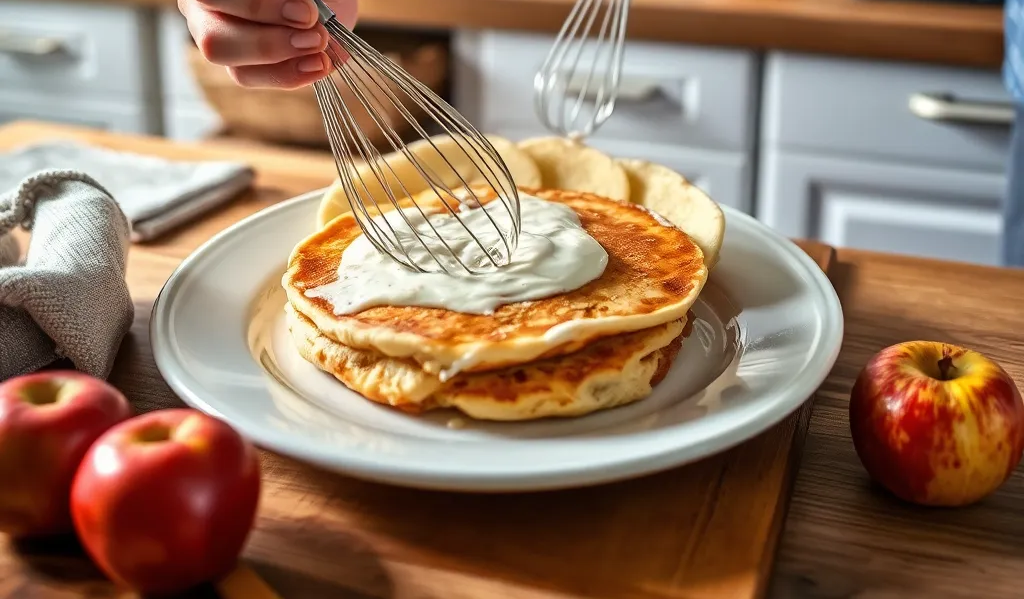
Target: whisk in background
(467,170)
(576,87)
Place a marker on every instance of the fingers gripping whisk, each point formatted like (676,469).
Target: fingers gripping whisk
(576,87)
(448,204)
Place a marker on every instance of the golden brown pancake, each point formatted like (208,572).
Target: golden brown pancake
(610,372)
(654,275)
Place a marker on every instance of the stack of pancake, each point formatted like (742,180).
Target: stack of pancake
(602,345)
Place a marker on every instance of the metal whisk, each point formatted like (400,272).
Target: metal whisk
(565,73)
(383,91)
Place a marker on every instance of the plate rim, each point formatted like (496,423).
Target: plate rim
(475,481)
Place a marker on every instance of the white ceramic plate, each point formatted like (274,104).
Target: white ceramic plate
(768,331)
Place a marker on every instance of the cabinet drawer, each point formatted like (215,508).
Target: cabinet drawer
(119,116)
(699,97)
(725,176)
(72,48)
(948,233)
(177,79)
(862,108)
(922,211)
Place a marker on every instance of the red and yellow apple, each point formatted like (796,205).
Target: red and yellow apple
(166,500)
(48,420)
(936,424)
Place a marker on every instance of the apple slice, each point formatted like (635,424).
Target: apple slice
(572,166)
(669,194)
(431,154)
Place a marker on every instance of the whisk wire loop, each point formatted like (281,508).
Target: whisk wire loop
(565,71)
(376,84)
(340,137)
(452,121)
(367,149)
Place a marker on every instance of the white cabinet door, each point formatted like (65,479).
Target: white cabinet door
(922,211)
(865,108)
(187,115)
(75,48)
(188,123)
(117,116)
(91,64)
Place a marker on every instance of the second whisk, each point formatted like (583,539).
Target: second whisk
(576,87)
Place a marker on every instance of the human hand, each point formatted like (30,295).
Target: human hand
(265,43)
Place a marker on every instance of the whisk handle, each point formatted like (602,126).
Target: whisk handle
(326,14)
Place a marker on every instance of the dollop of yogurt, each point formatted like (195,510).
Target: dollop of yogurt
(554,255)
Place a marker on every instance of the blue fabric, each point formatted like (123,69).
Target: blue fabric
(1013,207)
(1013,79)
(1013,59)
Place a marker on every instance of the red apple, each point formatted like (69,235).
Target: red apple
(48,420)
(165,501)
(936,424)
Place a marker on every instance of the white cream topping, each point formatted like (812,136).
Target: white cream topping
(554,255)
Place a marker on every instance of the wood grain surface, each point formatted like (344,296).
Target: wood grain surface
(939,32)
(705,530)
(846,538)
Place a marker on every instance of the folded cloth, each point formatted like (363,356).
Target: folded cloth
(69,299)
(155,194)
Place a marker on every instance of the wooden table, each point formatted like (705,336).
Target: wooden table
(927,31)
(843,538)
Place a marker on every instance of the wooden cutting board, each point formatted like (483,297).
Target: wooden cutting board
(706,530)
(709,529)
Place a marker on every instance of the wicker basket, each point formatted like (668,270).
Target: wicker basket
(292,116)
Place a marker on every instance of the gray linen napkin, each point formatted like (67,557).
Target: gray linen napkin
(155,194)
(69,299)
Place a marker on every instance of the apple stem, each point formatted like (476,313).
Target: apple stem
(946,368)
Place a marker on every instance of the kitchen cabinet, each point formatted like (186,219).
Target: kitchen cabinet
(851,154)
(82,63)
(696,112)
(109,66)
(105,114)
(186,114)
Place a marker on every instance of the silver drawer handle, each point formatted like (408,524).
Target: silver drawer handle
(631,89)
(946,107)
(27,45)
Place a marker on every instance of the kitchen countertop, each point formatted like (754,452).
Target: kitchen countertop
(938,32)
(843,537)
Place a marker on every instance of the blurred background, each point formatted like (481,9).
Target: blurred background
(863,123)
